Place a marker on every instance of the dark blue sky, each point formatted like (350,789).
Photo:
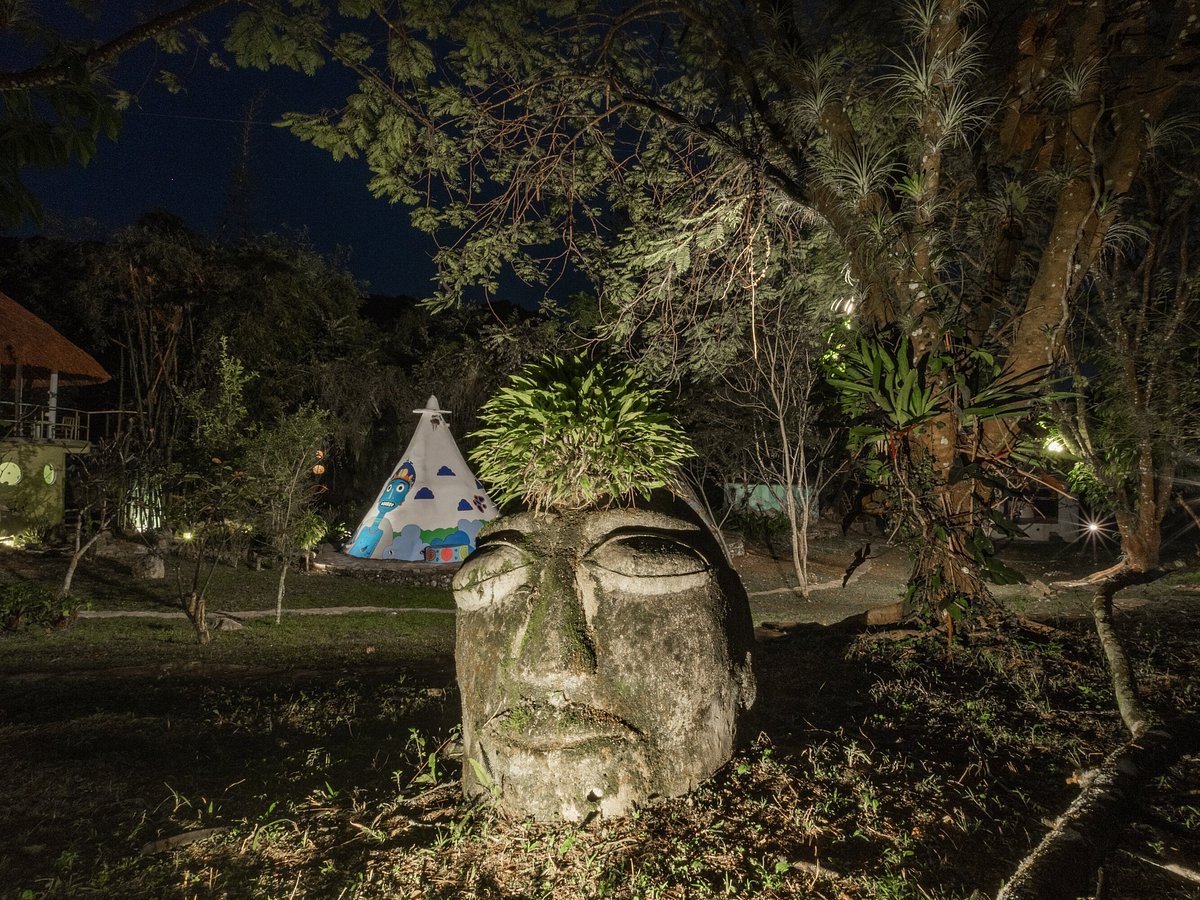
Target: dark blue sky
(179,152)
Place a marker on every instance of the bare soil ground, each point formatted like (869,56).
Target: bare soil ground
(879,582)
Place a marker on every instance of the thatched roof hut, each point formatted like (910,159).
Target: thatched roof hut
(29,342)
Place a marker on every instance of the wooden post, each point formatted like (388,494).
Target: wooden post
(52,406)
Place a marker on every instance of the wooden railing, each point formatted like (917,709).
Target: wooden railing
(35,422)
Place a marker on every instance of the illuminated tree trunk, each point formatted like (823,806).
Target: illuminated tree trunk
(283,570)
(1141,527)
(195,607)
(194,596)
(1140,542)
(944,514)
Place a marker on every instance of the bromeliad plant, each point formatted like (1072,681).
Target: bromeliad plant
(573,434)
(944,504)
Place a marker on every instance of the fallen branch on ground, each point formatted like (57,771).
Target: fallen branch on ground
(1119,667)
(181,840)
(1065,861)
(1116,570)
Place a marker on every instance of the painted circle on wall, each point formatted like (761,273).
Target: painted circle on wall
(10,472)
(49,473)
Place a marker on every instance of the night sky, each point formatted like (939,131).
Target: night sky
(180,152)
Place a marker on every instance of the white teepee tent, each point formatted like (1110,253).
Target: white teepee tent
(432,506)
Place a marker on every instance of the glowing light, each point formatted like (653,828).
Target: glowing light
(1097,532)
(186,536)
(1096,529)
(318,469)
(1055,445)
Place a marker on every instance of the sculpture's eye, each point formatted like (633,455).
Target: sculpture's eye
(495,572)
(649,564)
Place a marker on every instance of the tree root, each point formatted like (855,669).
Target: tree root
(1096,579)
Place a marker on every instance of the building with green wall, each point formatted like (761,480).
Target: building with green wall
(37,436)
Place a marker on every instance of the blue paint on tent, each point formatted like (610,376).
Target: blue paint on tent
(446,470)
(456,539)
(423,494)
(407,545)
(370,534)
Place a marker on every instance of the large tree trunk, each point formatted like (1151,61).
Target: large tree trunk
(1141,539)
(1106,165)
(943,516)
(1141,528)
(948,579)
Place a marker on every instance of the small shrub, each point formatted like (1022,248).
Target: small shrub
(311,529)
(27,604)
(576,434)
(31,537)
(761,526)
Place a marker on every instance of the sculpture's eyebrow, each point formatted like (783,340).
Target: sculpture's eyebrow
(510,536)
(631,531)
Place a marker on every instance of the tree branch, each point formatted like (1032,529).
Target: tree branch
(1120,669)
(50,76)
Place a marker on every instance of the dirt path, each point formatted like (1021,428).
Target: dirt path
(262,613)
(878,580)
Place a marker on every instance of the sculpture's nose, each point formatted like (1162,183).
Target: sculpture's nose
(557,645)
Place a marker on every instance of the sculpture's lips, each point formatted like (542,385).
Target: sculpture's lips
(542,728)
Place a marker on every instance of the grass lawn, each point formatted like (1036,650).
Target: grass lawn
(317,759)
(424,640)
(109,586)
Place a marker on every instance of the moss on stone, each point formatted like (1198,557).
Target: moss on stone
(517,721)
(558,592)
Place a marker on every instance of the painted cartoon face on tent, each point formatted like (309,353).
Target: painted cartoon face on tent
(371,534)
(603,660)
(397,488)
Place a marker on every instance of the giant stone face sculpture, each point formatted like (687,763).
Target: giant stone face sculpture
(603,660)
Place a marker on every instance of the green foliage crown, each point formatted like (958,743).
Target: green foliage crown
(576,434)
